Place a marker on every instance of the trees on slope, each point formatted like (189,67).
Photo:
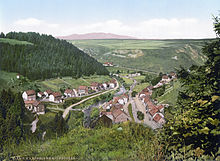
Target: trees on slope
(47,58)
(193,131)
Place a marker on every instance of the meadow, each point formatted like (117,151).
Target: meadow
(14,41)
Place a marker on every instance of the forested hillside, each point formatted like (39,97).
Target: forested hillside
(41,56)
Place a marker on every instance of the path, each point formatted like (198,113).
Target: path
(34,125)
(70,107)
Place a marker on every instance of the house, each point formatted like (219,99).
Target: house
(82,90)
(35,106)
(112,83)
(123,99)
(29,95)
(159,84)
(153,110)
(110,64)
(107,105)
(95,86)
(159,118)
(69,93)
(172,75)
(105,85)
(160,108)
(165,79)
(48,93)
(119,116)
(41,94)
(55,97)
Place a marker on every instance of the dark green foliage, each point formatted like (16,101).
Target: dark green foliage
(94,113)
(60,125)
(158,92)
(47,58)
(156,80)
(134,93)
(140,115)
(12,118)
(193,131)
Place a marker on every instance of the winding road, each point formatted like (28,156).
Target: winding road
(66,111)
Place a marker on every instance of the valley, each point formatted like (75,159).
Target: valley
(150,55)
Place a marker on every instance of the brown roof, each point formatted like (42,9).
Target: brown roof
(41,93)
(113,81)
(117,112)
(30,92)
(152,111)
(164,77)
(172,73)
(115,100)
(160,107)
(82,87)
(118,106)
(68,91)
(57,94)
(49,91)
(95,84)
(157,117)
(106,113)
(146,99)
(33,102)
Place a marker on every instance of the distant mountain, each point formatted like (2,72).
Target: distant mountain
(89,36)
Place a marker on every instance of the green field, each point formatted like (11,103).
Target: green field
(65,82)
(9,80)
(151,55)
(14,42)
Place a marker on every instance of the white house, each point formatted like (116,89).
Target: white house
(29,95)
(55,97)
(48,93)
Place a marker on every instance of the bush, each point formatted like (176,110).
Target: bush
(140,115)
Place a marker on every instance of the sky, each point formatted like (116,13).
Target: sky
(149,19)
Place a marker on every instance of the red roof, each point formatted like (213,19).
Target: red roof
(57,94)
(33,102)
(172,73)
(117,112)
(41,93)
(152,111)
(69,91)
(157,117)
(94,84)
(30,92)
(49,91)
(160,107)
(146,99)
(82,87)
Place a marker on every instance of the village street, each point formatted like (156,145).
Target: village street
(70,107)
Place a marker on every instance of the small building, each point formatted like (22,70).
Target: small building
(112,83)
(48,93)
(55,97)
(108,64)
(35,106)
(82,90)
(159,118)
(69,93)
(119,116)
(95,86)
(105,85)
(41,94)
(29,95)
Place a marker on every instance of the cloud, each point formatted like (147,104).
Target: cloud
(159,28)
(28,22)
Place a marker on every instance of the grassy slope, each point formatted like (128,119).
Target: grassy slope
(98,144)
(14,42)
(170,95)
(8,79)
(156,55)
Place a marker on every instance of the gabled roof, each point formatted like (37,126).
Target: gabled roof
(172,73)
(157,117)
(49,91)
(32,102)
(41,93)
(56,94)
(68,91)
(152,111)
(30,92)
(160,107)
(117,112)
(94,84)
(146,99)
(83,87)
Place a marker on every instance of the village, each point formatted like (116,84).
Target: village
(113,111)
